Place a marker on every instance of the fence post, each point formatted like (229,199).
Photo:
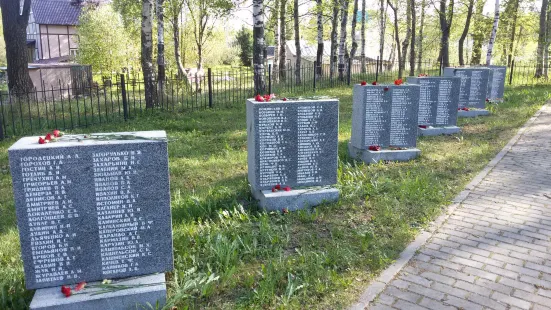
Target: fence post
(209,77)
(124,99)
(270,79)
(511,74)
(349,75)
(315,74)
(377,70)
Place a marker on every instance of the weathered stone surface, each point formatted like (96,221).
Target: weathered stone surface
(295,199)
(149,289)
(92,209)
(438,100)
(371,157)
(292,143)
(496,82)
(473,87)
(385,115)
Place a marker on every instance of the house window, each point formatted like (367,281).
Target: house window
(73,52)
(30,54)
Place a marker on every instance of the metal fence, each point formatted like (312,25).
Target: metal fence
(119,97)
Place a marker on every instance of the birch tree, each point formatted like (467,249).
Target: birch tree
(420,40)
(258,46)
(276,37)
(342,43)
(541,38)
(445,15)
(396,37)
(334,26)
(319,53)
(147,53)
(297,42)
(382,30)
(161,75)
(412,49)
(405,43)
(479,30)
(493,35)
(362,39)
(353,31)
(282,49)
(175,9)
(470,7)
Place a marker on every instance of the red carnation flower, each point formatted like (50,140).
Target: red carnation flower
(80,286)
(363,83)
(259,98)
(278,187)
(374,148)
(41,140)
(284,99)
(487,100)
(48,136)
(423,126)
(398,82)
(57,133)
(274,190)
(287,188)
(267,98)
(66,291)
(374,83)
(386,88)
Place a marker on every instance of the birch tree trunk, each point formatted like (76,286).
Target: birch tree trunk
(319,53)
(15,20)
(541,38)
(297,42)
(276,40)
(282,42)
(334,26)
(420,40)
(470,8)
(382,32)
(147,53)
(353,32)
(362,38)
(446,17)
(397,37)
(405,43)
(258,46)
(413,32)
(161,74)
(176,38)
(547,43)
(493,35)
(342,43)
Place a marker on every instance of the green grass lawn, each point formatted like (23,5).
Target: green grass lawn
(229,255)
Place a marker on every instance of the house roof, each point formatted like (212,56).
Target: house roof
(56,12)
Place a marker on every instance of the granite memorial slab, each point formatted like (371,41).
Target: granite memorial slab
(472,90)
(92,207)
(438,104)
(384,122)
(496,83)
(293,144)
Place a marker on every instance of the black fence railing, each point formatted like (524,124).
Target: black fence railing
(119,97)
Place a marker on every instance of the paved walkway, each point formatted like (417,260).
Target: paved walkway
(494,250)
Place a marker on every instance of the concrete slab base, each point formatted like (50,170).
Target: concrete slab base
(371,157)
(295,199)
(472,113)
(437,131)
(137,297)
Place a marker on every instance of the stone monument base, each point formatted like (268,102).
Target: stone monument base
(371,157)
(51,298)
(472,113)
(295,199)
(436,131)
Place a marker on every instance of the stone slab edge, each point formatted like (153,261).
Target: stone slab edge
(380,283)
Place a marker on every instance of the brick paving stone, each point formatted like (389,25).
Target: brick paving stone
(494,250)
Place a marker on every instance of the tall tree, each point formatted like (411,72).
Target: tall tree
(161,75)
(362,38)
(353,31)
(541,38)
(275,16)
(147,53)
(479,31)
(319,53)
(382,30)
(397,37)
(512,31)
(405,43)
(243,40)
(413,30)
(175,10)
(470,7)
(342,43)
(297,42)
(420,40)
(493,35)
(258,46)
(283,40)
(445,15)
(547,43)
(15,20)
(334,26)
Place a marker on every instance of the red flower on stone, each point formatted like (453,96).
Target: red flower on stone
(363,83)
(423,126)
(274,190)
(465,109)
(80,286)
(398,82)
(374,83)
(48,136)
(284,99)
(66,291)
(267,98)
(41,140)
(386,88)
(284,211)
(57,133)
(278,187)
(287,188)
(259,98)
(374,148)
(487,100)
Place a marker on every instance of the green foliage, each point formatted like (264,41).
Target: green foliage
(243,39)
(2,46)
(104,43)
